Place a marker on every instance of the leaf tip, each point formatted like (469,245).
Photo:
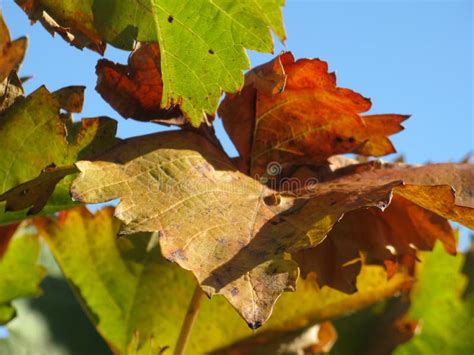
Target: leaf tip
(255,325)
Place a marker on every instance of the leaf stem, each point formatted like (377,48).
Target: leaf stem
(188,322)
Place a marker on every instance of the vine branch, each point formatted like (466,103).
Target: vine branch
(189,320)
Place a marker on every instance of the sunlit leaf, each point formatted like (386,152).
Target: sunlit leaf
(435,317)
(137,298)
(308,122)
(53,322)
(202,42)
(445,317)
(20,273)
(11,52)
(227,228)
(72,20)
(10,90)
(35,138)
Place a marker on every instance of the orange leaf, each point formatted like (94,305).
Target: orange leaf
(311,120)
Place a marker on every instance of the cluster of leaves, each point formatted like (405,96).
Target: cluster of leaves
(288,214)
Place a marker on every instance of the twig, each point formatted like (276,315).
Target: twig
(188,322)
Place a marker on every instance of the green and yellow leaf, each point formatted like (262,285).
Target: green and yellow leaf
(20,273)
(138,299)
(36,137)
(202,42)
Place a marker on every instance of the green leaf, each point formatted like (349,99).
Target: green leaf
(436,317)
(118,279)
(138,299)
(446,319)
(52,323)
(20,273)
(35,135)
(202,42)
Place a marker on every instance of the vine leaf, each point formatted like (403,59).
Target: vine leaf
(415,219)
(135,90)
(335,262)
(73,21)
(36,137)
(171,182)
(11,52)
(214,220)
(393,235)
(117,278)
(227,228)
(435,313)
(11,56)
(437,298)
(202,42)
(444,189)
(20,273)
(308,122)
(121,279)
(10,90)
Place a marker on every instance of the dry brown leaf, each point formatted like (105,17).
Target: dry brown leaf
(34,194)
(10,90)
(445,189)
(238,110)
(11,52)
(413,221)
(336,261)
(135,90)
(75,24)
(11,56)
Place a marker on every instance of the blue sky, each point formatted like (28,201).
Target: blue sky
(410,57)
